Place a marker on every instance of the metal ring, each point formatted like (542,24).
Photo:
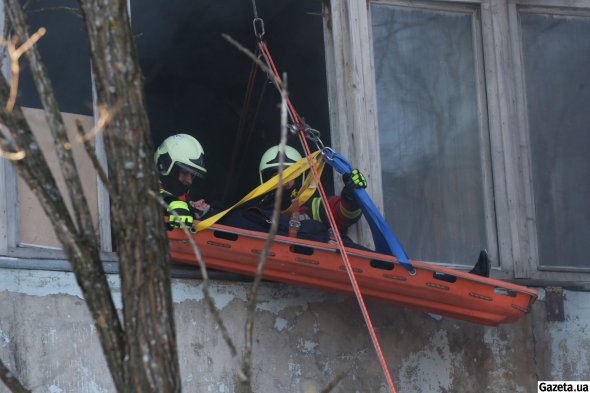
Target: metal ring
(261,24)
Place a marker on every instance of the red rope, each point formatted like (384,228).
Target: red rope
(241,125)
(355,286)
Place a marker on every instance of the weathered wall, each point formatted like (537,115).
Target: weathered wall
(563,347)
(303,338)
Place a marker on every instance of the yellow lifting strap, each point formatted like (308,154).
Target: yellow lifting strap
(290,173)
(308,188)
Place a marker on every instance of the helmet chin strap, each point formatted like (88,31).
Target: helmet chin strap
(173,186)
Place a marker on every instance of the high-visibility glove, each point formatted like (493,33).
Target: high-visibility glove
(179,215)
(352,180)
(355,179)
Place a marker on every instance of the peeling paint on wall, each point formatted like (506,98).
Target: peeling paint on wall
(45,283)
(428,369)
(303,339)
(570,340)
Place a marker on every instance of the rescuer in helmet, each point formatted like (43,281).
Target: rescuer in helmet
(344,207)
(180,163)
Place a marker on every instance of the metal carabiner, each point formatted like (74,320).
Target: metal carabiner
(294,128)
(258,22)
(328,153)
(319,144)
(311,134)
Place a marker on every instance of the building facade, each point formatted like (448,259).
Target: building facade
(469,119)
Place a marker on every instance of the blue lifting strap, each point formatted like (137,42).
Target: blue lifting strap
(385,240)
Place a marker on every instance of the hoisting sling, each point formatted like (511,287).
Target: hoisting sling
(385,240)
(290,173)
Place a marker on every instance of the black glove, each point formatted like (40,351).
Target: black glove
(179,215)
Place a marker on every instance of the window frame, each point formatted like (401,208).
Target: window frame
(576,8)
(10,245)
(478,64)
(352,95)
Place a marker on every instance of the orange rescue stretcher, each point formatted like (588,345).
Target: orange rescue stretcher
(434,289)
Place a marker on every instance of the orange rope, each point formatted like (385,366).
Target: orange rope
(343,253)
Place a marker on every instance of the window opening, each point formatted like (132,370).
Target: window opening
(64,49)
(195,81)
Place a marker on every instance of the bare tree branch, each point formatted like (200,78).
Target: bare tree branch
(137,221)
(95,163)
(84,257)
(54,119)
(14,54)
(245,381)
(203,268)
(11,381)
(281,86)
(337,379)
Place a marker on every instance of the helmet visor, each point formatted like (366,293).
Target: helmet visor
(269,173)
(195,173)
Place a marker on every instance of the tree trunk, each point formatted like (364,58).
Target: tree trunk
(138,225)
(143,356)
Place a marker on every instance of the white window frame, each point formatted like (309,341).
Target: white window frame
(354,128)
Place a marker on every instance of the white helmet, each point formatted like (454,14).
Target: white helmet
(269,163)
(179,152)
(182,150)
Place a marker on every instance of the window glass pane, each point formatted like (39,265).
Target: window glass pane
(556,52)
(430,137)
(64,49)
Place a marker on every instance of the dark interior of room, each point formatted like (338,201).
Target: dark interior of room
(196,81)
(64,50)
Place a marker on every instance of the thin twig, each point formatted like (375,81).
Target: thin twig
(14,54)
(16,154)
(72,10)
(97,166)
(208,299)
(255,59)
(246,367)
(11,381)
(104,118)
(335,381)
(19,155)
